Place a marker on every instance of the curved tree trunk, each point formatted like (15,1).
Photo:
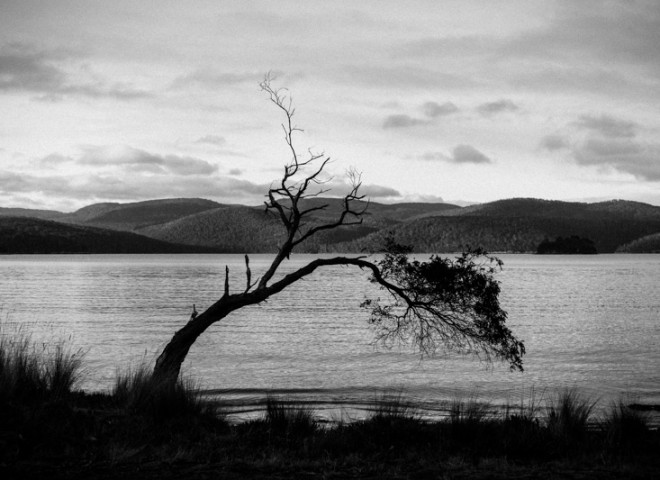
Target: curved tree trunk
(168,364)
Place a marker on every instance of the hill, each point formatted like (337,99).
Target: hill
(513,225)
(377,214)
(30,213)
(647,244)
(230,229)
(33,235)
(520,225)
(132,216)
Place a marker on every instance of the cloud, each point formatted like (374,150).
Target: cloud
(25,69)
(460,154)
(433,109)
(212,140)
(553,143)
(379,191)
(612,143)
(123,173)
(621,33)
(136,160)
(608,126)
(213,79)
(608,148)
(84,188)
(235,172)
(468,154)
(338,187)
(435,157)
(404,77)
(12,182)
(401,121)
(623,155)
(499,106)
(421,198)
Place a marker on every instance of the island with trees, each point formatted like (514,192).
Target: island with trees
(572,245)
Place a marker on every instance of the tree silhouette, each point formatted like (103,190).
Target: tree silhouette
(436,304)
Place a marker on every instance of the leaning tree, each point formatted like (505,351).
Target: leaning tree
(439,303)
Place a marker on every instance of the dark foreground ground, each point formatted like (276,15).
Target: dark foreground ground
(150,429)
(132,434)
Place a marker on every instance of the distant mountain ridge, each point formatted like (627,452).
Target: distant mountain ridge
(23,235)
(512,225)
(131,216)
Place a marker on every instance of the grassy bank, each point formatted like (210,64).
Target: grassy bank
(147,429)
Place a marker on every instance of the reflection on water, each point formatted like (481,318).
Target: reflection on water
(591,322)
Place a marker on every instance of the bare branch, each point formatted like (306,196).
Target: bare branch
(248,275)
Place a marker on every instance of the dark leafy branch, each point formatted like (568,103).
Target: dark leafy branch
(443,303)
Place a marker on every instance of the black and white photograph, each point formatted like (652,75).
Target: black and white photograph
(413,239)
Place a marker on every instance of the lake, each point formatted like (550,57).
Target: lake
(591,322)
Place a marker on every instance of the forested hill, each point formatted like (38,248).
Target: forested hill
(133,216)
(515,225)
(647,244)
(520,225)
(33,235)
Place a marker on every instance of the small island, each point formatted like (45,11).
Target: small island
(572,245)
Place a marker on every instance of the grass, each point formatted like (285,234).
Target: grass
(32,374)
(285,418)
(626,430)
(137,392)
(149,429)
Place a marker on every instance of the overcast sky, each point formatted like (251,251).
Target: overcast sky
(430,100)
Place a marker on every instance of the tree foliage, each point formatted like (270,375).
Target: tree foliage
(444,303)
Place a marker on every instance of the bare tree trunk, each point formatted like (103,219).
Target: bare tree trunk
(168,364)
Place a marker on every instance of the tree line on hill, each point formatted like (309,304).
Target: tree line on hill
(193,225)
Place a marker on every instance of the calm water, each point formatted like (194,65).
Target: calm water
(591,322)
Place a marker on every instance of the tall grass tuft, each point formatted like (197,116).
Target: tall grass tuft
(139,392)
(63,371)
(393,407)
(29,374)
(568,417)
(284,418)
(626,430)
(469,425)
(394,424)
(469,411)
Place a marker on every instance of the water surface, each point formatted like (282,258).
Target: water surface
(592,322)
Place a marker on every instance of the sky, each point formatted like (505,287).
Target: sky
(430,100)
